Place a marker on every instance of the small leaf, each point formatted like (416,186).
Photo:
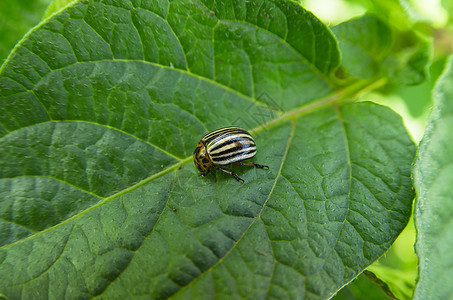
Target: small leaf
(102,106)
(395,282)
(433,174)
(366,286)
(371,48)
(364,42)
(410,60)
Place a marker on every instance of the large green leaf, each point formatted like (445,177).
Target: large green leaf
(101,108)
(433,175)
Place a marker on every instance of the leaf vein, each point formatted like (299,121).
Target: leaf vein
(141,244)
(290,137)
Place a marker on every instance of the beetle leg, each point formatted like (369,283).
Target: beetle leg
(204,174)
(232,174)
(252,164)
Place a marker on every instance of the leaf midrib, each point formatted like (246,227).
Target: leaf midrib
(186,72)
(347,92)
(129,189)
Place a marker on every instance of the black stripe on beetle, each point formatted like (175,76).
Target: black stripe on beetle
(222,147)
(233,150)
(222,159)
(238,140)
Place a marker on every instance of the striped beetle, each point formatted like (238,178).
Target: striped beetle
(222,147)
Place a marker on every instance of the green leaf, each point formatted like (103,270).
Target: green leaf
(370,48)
(397,269)
(399,13)
(418,98)
(410,59)
(366,286)
(433,174)
(396,282)
(364,42)
(101,109)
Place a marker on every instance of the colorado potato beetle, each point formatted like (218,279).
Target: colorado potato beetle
(222,147)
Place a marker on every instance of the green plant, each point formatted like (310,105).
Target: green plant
(102,105)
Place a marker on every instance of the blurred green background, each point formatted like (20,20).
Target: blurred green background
(394,275)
